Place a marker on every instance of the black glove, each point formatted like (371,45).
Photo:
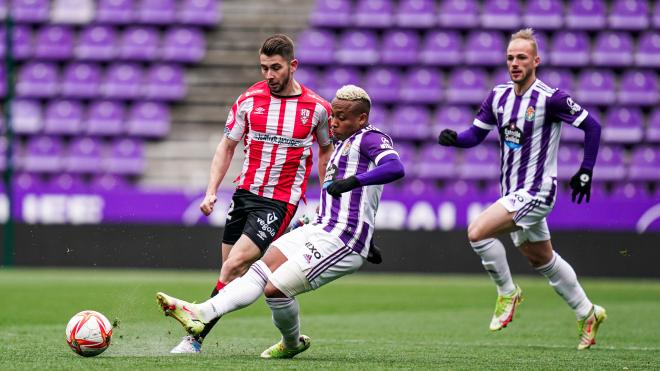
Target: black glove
(336,188)
(374,256)
(581,185)
(447,138)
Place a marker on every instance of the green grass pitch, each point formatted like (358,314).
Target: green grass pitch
(364,321)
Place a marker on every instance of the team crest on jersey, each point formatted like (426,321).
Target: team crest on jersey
(346,148)
(304,115)
(530,115)
(573,106)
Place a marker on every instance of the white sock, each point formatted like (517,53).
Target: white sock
(238,294)
(286,319)
(493,258)
(563,279)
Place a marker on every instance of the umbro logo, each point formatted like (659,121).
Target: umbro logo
(259,111)
(262,235)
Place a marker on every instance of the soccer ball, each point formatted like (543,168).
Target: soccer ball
(88,333)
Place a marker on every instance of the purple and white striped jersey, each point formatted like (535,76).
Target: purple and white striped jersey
(352,216)
(529,127)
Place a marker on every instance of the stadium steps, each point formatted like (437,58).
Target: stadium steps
(229,67)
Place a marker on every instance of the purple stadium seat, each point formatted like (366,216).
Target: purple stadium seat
(586,15)
(460,189)
(410,122)
(109,183)
(122,81)
(73,12)
(613,49)
(639,87)
(383,84)
(421,85)
(27,116)
(156,12)
(335,77)
(37,80)
(482,162)
(485,48)
(22,42)
(43,154)
(407,153)
(544,14)
(331,13)
(634,192)
(645,164)
(373,13)
(84,156)
(30,11)
(442,48)
(457,118)
(596,87)
(105,118)
(139,44)
(415,14)
(463,14)
(568,161)
(570,48)
(400,47)
(357,47)
(379,117)
(648,49)
(63,117)
(165,82)
(501,14)
(3,87)
(500,76)
(623,125)
(126,157)
(467,85)
(572,134)
(183,45)
(557,78)
(81,80)
(26,182)
(629,15)
(115,12)
(96,43)
(611,165)
(435,162)
(148,119)
(199,12)
(656,16)
(315,46)
(308,76)
(67,183)
(54,42)
(415,188)
(653,129)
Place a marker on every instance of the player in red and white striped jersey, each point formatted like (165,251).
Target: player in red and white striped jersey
(278,119)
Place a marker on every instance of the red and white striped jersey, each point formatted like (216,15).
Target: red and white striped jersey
(278,133)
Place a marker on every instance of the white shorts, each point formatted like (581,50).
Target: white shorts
(530,213)
(315,258)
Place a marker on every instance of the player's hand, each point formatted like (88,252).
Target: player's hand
(447,138)
(336,188)
(207,205)
(581,185)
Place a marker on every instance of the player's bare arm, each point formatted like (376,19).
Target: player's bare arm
(324,157)
(224,152)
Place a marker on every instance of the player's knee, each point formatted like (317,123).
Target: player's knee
(234,267)
(270,291)
(475,233)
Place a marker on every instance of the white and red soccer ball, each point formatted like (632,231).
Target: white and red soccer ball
(88,333)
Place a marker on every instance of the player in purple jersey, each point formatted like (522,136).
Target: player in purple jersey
(529,115)
(314,254)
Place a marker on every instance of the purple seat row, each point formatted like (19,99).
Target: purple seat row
(152,12)
(105,43)
(479,47)
(494,14)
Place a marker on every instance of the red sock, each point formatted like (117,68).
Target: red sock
(220,285)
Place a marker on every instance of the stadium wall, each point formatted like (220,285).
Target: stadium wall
(611,254)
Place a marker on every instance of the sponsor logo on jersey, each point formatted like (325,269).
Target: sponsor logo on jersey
(573,106)
(266,227)
(259,111)
(277,139)
(253,92)
(270,218)
(530,115)
(512,136)
(262,235)
(304,116)
(386,144)
(312,249)
(307,257)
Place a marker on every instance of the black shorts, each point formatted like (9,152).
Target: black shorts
(262,219)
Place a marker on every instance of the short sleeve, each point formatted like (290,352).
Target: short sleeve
(322,132)
(376,145)
(485,118)
(235,127)
(564,109)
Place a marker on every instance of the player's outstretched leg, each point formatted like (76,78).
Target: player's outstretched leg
(588,327)
(186,313)
(280,351)
(505,308)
